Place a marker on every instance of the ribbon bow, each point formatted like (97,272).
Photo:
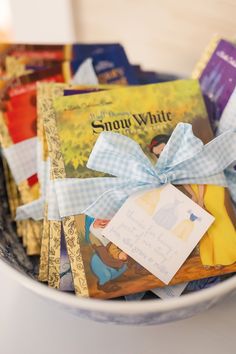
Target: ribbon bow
(184,160)
(228,122)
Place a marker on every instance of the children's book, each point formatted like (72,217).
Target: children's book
(54,250)
(53,258)
(218,79)
(51,52)
(148,115)
(18,130)
(109,61)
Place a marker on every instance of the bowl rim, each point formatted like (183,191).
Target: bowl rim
(119,307)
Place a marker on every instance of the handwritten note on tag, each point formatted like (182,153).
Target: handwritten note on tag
(159,229)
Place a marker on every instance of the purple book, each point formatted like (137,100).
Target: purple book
(218,79)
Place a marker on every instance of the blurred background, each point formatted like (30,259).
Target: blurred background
(165,35)
(5,20)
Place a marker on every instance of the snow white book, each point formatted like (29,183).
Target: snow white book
(148,115)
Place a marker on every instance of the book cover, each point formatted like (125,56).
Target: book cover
(218,79)
(147,114)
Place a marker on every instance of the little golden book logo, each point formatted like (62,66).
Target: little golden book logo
(138,119)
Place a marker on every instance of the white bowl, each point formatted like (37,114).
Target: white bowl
(149,312)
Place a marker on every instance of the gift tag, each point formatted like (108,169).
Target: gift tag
(159,228)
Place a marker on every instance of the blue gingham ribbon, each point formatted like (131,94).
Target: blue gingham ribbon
(35,209)
(21,159)
(228,122)
(184,160)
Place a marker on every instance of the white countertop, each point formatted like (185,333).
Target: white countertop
(28,324)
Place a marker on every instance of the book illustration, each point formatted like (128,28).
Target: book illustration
(218,245)
(107,262)
(157,144)
(185,227)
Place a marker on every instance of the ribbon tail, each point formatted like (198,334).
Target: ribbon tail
(208,164)
(181,146)
(76,195)
(33,210)
(21,158)
(218,180)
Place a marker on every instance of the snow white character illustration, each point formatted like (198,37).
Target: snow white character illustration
(184,229)
(108,262)
(218,245)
